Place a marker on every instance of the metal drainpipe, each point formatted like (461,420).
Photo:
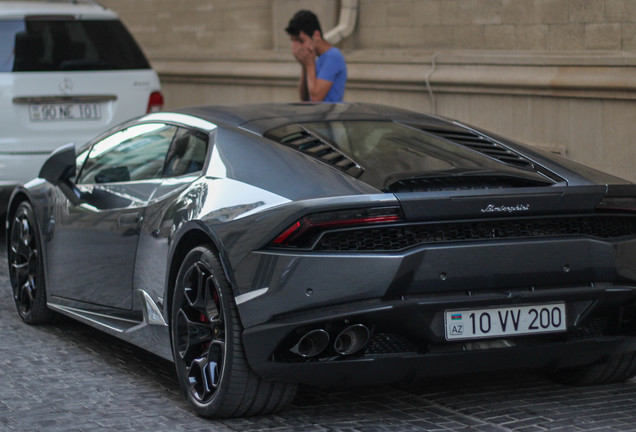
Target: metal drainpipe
(346,23)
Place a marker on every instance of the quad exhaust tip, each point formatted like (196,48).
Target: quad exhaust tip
(312,343)
(352,339)
(349,341)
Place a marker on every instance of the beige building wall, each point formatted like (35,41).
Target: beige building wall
(556,74)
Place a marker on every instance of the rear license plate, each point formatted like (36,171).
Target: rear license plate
(504,321)
(65,111)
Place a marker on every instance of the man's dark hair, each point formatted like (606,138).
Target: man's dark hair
(303,21)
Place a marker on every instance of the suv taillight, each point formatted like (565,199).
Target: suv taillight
(155,102)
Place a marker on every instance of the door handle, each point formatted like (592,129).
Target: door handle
(128,219)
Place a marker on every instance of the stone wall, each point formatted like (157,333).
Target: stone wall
(498,24)
(557,74)
(209,26)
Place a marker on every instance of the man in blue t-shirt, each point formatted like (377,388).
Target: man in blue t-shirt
(324,71)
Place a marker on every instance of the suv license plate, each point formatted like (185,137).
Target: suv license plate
(65,111)
(504,321)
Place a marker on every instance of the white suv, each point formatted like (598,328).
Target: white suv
(67,72)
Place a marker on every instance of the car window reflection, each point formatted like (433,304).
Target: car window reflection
(135,153)
(186,155)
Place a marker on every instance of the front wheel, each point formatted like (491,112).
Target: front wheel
(617,368)
(26,267)
(208,349)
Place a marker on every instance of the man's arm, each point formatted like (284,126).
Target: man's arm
(317,88)
(302,85)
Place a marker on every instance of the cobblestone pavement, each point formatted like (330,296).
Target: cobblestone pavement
(69,377)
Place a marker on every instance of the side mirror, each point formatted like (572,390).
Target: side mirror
(59,168)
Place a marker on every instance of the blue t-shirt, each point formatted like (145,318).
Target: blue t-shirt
(331,66)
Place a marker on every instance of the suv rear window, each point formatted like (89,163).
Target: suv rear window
(48,45)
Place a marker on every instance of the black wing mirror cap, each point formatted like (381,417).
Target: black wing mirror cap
(60,165)
(59,168)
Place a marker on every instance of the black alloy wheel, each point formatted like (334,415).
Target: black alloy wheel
(207,345)
(26,268)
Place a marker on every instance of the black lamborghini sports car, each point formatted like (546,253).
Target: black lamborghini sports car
(263,246)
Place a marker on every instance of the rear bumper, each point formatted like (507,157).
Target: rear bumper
(408,339)
(5,195)
(272,283)
(401,298)
(408,367)
(17,168)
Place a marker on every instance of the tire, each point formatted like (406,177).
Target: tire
(618,368)
(207,345)
(26,267)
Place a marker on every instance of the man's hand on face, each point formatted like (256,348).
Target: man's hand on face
(304,54)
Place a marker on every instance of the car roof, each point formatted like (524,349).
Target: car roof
(22,9)
(259,118)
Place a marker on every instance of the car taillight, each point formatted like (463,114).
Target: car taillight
(304,231)
(155,102)
(618,204)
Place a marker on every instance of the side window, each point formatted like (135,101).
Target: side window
(187,154)
(135,153)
